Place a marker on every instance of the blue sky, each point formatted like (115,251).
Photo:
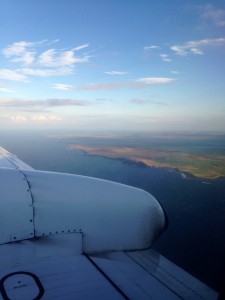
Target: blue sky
(112,65)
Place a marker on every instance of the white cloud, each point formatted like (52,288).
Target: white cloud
(33,61)
(4,117)
(44,103)
(52,58)
(138,83)
(46,58)
(64,87)
(214,15)
(116,73)
(81,47)
(18,119)
(165,57)
(147,48)
(47,72)
(196,47)
(5,90)
(140,101)
(20,53)
(8,74)
(149,81)
(102,86)
(66,102)
(43,118)
(27,58)
(175,72)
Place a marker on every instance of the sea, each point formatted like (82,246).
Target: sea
(195,208)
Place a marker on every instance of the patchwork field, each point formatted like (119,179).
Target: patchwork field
(203,166)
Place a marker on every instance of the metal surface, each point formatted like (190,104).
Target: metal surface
(48,220)
(8,160)
(111,216)
(16,212)
(146,275)
(52,267)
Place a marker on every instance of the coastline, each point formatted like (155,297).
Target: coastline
(122,155)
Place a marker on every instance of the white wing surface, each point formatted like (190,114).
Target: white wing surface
(8,160)
(74,237)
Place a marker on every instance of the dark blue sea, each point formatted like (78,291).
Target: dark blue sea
(195,238)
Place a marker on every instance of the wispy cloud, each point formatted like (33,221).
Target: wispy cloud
(67,102)
(13,118)
(175,72)
(53,58)
(116,73)
(81,47)
(138,83)
(165,57)
(21,119)
(149,48)
(18,119)
(151,81)
(31,59)
(102,86)
(44,118)
(22,51)
(140,101)
(28,53)
(63,87)
(5,90)
(46,72)
(45,103)
(213,14)
(196,47)
(8,74)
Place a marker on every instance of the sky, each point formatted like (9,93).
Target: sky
(112,65)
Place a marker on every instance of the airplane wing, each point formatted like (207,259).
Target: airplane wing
(66,236)
(8,160)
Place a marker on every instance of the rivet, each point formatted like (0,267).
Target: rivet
(68,230)
(31,233)
(14,238)
(31,220)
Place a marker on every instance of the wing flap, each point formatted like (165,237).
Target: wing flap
(148,275)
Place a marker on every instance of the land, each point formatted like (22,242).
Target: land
(203,166)
(199,155)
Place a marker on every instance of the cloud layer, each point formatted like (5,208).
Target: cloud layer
(24,103)
(138,83)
